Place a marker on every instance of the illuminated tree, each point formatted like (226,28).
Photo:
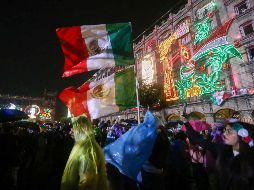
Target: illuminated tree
(151,94)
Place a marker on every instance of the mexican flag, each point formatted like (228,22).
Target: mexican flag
(91,47)
(109,95)
(219,97)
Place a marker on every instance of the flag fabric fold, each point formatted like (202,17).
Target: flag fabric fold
(109,95)
(91,47)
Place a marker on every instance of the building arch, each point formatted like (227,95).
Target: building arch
(197,115)
(226,113)
(172,117)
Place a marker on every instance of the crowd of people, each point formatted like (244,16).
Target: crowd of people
(61,157)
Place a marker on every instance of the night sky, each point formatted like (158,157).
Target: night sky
(31,59)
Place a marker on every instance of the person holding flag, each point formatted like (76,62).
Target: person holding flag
(86,48)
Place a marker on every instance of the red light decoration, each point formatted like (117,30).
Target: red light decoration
(202,68)
(210,15)
(193,62)
(225,66)
(219,32)
(185,52)
(237,43)
(210,53)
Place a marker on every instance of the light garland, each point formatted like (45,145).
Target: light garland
(165,45)
(46,114)
(203,30)
(210,7)
(169,86)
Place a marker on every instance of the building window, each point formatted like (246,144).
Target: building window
(247,28)
(242,7)
(250,53)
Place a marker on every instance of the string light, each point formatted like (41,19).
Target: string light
(203,30)
(169,86)
(46,114)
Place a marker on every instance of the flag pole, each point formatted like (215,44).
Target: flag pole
(137,85)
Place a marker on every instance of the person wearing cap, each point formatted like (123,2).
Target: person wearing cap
(234,158)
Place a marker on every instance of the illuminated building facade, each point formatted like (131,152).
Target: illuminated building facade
(204,55)
(40,108)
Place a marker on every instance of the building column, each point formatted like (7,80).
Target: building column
(209,117)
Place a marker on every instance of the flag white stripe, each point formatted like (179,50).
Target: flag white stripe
(96,37)
(106,105)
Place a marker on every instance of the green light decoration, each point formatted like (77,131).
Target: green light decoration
(185,82)
(203,30)
(46,114)
(220,55)
(207,83)
(215,53)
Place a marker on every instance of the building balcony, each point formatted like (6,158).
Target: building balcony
(246,13)
(228,2)
(247,39)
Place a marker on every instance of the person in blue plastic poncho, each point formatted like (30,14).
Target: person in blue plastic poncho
(85,168)
(132,149)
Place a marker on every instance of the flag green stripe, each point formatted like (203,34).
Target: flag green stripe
(125,89)
(120,35)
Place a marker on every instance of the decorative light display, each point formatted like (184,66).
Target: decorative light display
(210,7)
(193,91)
(164,47)
(185,82)
(237,43)
(46,114)
(215,36)
(169,86)
(32,111)
(150,44)
(148,69)
(216,51)
(211,52)
(185,52)
(203,30)
(183,28)
(225,66)
(13,106)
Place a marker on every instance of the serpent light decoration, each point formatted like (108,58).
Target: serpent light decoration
(213,48)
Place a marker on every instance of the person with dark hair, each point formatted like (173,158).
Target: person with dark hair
(197,155)
(234,158)
(178,174)
(152,171)
(85,168)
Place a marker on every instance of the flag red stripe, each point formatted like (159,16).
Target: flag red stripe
(75,100)
(74,49)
